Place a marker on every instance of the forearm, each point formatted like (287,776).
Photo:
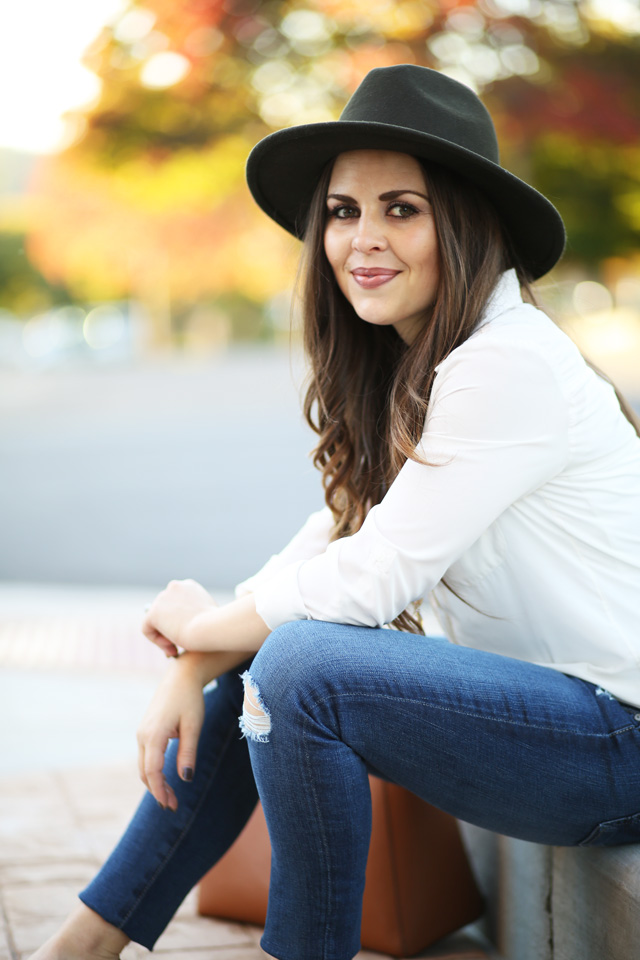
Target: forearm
(236,628)
(207,666)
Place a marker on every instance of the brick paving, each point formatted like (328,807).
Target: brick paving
(57,827)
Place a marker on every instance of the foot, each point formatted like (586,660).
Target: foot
(84,936)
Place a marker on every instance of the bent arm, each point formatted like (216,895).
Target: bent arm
(235,629)
(185,615)
(497,429)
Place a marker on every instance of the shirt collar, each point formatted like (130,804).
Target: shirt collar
(506,295)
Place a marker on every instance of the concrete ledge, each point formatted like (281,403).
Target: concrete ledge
(596,903)
(558,903)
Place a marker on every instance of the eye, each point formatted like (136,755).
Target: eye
(343,212)
(402,210)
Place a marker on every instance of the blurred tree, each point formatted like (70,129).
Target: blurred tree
(23,289)
(150,200)
(574,128)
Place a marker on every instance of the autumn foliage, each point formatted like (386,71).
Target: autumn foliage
(150,198)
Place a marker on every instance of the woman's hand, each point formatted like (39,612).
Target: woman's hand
(172,611)
(185,615)
(176,710)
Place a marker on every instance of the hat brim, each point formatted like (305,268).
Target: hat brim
(284,168)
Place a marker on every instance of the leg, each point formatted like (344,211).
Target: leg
(162,855)
(510,746)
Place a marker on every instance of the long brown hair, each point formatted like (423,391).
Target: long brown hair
(368,390)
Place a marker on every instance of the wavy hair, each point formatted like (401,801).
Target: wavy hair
(368,391)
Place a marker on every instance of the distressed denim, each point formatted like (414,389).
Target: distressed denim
(510,746)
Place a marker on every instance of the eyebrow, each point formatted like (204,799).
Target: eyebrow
(390,195)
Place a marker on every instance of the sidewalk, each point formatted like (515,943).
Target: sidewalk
(55,830)
(62,809)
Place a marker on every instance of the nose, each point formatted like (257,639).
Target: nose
(370,234)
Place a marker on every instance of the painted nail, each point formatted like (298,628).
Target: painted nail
(187,774)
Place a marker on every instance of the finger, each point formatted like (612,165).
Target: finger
(153,766)
(188,748)
(167,646)
(141,771)
(150,631)
(172,800)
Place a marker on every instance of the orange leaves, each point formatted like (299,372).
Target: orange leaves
(103,243)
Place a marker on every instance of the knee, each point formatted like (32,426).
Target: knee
(286,672)
(292,651)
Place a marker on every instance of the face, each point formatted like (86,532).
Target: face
(380,238)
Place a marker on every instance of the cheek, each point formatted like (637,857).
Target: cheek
(431,261)
(331,248)
(335,254)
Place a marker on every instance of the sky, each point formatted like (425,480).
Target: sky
(41,76)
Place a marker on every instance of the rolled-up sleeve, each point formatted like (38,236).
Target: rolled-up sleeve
(497,429)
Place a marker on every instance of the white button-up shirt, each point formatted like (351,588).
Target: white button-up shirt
(528,507)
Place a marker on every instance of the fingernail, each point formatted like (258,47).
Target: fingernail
(161,805)
(187,774)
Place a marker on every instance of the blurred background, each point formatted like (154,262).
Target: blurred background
(149,379)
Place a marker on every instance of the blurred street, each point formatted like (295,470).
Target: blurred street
(133,474)
(114,480)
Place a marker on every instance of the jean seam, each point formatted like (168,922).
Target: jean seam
(476,716)
(185,830)
(322,832)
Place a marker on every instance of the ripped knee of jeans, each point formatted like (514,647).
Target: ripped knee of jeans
(255,721)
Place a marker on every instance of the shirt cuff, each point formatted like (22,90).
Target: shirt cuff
(279,600)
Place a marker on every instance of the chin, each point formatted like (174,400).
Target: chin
(375,317)
(377,321)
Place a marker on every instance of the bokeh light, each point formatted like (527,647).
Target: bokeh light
(591,297)
(163,70)
(103,327)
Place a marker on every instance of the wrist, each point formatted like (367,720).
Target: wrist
(199,667)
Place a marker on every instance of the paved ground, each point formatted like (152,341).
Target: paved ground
(55,830)
(76,676)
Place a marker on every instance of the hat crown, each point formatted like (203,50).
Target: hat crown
(426,102)
(425,114)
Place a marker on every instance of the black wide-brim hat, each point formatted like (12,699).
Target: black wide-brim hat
(417,111)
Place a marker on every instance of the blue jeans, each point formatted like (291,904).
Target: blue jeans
(516,748)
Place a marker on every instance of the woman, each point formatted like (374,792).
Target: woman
(467,452)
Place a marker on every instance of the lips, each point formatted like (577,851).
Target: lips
(372,277)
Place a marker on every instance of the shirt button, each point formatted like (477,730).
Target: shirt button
(636,716)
